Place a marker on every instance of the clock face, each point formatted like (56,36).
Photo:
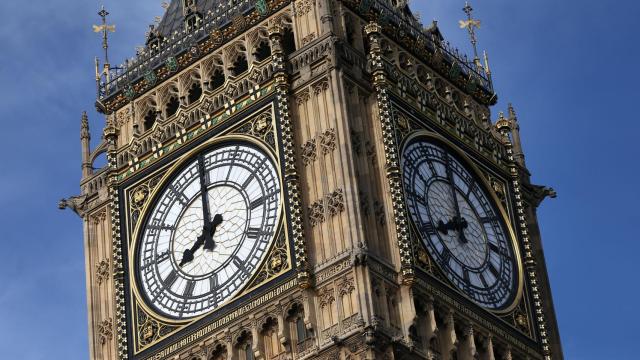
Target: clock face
(208,230)
(459,224)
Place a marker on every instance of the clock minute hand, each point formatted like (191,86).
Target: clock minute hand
(459,221)
(209,228)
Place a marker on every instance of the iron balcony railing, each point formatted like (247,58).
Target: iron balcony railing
(150,58)
(414,29)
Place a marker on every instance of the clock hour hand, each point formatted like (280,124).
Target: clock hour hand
(209,245)
(188,255)
(456,224)
(205,239)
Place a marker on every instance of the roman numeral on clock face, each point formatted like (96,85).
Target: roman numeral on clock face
(465,276)
(213,282)
(428,228)
(240,264)
(246,183)
(494,271)
(188,290)
(257,203)
(254,233)
(496,249)
(169,280)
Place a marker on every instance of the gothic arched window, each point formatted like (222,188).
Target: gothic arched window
(263,51)
(288,41)
(219,353)
(149,119)
(245,346)
(217,79)
(172,106)
(272,346)
(297,328)
(240,65)
(195,92)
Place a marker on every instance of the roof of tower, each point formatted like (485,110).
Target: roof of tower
(173,19)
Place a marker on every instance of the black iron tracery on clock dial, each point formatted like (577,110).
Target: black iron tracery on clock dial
(459,224)
(190,263)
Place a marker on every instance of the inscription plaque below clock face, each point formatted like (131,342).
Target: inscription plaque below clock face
(208,230)
(459,224)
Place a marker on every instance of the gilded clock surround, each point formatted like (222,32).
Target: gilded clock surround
(258,130)
(335,111)
(506,220)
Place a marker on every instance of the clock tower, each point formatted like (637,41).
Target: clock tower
(308,179)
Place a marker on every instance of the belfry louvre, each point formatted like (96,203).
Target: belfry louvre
(309,179)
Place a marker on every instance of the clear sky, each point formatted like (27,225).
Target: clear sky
(569,67)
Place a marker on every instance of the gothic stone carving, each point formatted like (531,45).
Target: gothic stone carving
(102,271)
(105,331)
(330,205)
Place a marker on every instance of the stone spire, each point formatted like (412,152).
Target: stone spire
(85,140)
(510,129)
(518,153)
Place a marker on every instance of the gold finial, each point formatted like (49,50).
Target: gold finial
(105,29)
(471,25)
(487,69)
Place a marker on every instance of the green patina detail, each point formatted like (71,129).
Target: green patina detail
(151,77)
(172,63)
(262,7)
(129,92)
(195,133)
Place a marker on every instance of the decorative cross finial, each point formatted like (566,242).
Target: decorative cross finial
(471,25)
(105,30)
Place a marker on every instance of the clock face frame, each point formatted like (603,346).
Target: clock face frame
(461,223)
(244,197)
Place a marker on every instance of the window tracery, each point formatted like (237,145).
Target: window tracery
(244,346)
(270,339)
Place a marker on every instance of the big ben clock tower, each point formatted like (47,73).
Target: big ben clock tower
(309,179)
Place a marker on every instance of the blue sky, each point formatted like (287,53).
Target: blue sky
(567,66)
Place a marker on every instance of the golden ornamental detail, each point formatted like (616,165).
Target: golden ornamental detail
(261,127)
(278,262)
(139,197)
(149,330)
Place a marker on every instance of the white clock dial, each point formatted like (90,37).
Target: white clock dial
(459,225)
(208,230)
